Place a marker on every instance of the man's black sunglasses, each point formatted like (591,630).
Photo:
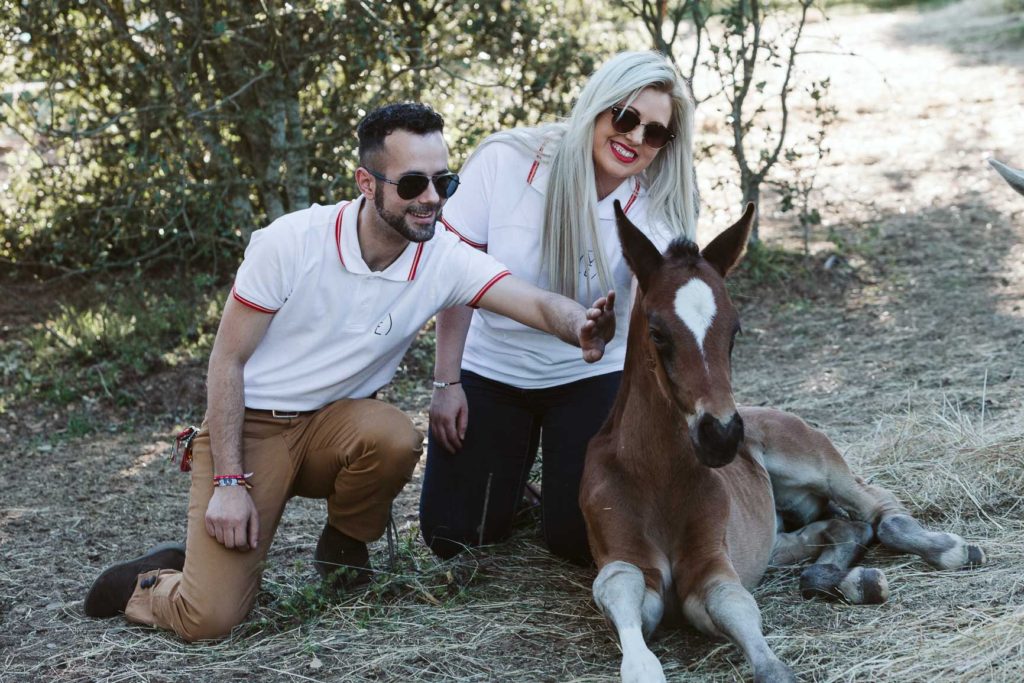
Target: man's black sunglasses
(412,185)
(655,135)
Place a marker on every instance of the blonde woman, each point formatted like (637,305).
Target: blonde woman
(540,200)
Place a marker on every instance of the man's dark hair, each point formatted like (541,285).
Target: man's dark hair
(381,122)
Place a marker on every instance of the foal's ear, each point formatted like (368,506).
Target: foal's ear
(641,255)
(725,251)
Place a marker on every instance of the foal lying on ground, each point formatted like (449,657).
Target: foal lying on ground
(685,496)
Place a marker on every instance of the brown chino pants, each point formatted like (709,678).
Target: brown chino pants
(358,454)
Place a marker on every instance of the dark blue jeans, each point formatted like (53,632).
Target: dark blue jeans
(505,426)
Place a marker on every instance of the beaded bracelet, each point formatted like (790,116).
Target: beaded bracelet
(445,385)
(233,480)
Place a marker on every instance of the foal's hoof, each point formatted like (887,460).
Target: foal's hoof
(961,555)
(864,586)
(774,671)
(641,666)
(820,581)
(975,557)
(858,586)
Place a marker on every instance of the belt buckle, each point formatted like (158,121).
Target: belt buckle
(284,414)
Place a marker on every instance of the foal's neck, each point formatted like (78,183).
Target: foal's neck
(648,423)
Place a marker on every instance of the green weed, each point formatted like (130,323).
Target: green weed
(413,575)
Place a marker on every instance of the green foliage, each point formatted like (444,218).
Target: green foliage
(765,266)
(167,131)
(108,335)
(865,242)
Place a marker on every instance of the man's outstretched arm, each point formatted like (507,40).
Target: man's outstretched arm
(588,328)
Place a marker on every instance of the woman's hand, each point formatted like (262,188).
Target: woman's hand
(449,416)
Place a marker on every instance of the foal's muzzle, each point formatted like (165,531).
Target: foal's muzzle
(716,442)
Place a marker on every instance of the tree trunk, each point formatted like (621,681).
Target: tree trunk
(751,186)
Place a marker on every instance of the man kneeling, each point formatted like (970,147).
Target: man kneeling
(323,307)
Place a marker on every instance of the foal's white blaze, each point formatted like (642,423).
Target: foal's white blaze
(695,306)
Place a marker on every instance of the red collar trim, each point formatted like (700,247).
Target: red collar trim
(337,230)
(416,261)
(632,198)
(462,237)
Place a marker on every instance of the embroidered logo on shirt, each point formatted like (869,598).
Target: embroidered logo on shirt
(384,326)
(588,269)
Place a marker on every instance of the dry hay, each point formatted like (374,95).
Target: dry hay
(512,612)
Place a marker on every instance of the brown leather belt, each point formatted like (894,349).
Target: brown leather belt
(281,414)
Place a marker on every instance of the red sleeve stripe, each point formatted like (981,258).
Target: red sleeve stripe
(490,283)
(416,261)
(636,192)
(477,245)
(337,231)
(533,171)
(255,307)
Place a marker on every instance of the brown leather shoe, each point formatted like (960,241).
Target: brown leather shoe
(113,588)
(340,560)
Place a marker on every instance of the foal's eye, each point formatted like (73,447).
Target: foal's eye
(657,337)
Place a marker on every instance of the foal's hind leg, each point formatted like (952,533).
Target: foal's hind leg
(837,544)
(940,549)
(806,470)
(634,609)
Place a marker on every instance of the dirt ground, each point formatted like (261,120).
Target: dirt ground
(909,353)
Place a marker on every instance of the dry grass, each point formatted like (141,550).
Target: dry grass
(514,613)
(910,357)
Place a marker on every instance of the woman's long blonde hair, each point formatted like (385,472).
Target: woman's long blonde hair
(570,215)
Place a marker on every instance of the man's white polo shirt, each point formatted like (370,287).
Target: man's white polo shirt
(339,330)
(500,209)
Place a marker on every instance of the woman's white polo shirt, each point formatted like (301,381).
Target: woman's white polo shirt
(500,209)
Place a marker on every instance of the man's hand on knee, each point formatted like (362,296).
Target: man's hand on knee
(232,519)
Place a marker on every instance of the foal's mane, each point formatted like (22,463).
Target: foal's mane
(684,250)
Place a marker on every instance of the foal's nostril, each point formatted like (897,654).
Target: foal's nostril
(708,430)
(735,429)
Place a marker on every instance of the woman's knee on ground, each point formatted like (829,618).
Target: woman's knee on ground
(569,543)
(448,538)
(441,543)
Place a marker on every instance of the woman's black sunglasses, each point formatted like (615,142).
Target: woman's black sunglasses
(655,135)
(412,185)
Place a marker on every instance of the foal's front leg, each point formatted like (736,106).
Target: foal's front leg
(634,610)
(720,605)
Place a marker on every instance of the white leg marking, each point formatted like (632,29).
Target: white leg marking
(620,592)
(734,613)
(954,558)
(695,306)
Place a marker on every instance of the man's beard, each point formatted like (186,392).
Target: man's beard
(398,223)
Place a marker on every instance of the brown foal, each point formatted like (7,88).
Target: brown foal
(687,498)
